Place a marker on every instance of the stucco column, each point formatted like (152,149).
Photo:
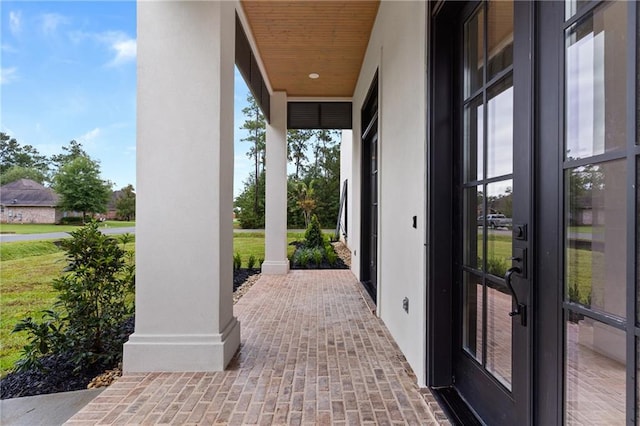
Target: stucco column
(275,259)
(184,231)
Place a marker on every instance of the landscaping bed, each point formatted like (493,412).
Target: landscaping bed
(58,373)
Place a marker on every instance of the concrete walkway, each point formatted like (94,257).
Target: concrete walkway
(45,410)
(312,353)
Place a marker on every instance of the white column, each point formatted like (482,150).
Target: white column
(275,259)
(184,231)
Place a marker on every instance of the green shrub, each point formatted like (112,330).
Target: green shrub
(237,261)
(71,220)
(302,257)
(332,257)
(95,297)
(251,262)
(313,235)
(317,254)
(497,266)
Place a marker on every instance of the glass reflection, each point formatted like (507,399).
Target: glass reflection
(473,140)
(499,328)
(473,227)
(594,373)
(474,52)
(500,129)
(499,224)
(596,237)
(500,36)
(472,315)
(596,92)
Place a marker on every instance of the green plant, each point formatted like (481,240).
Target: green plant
(44,338)
(497,266)
(318,254)
(313,235)
(302,257)
(237,261)
(94,300)
(332,257)
(251,262)
(574,293)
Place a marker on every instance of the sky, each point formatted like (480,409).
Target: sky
(68,72)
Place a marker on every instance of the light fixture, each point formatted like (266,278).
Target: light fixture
(314,75)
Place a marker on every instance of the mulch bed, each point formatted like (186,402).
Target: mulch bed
(339,263)
(58,375)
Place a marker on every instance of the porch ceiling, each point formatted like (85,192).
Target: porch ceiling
(296,38)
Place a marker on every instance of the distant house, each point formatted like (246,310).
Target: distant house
(27,201)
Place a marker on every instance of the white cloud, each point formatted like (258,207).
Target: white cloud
(125,51)
(15,22)
(122,46)
(7,75)
(51,21)
(88,138)
(6,47)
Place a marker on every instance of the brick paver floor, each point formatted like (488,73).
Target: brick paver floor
(312,352)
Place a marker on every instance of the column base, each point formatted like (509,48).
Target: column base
(275,267)
(181,352)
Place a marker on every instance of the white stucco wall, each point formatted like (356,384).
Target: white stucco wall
(346,146)
(397,50)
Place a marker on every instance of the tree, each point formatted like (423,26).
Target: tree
(297,141)
(249,216)
(304,195)
(71,152)
(255,124)
(12,154)
(15,173)
(80,187)
(126,203)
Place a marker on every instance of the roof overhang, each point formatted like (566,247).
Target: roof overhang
(295,39)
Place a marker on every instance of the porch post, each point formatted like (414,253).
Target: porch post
(184,235)
(276,262)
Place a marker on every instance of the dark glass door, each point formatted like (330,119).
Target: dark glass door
(369,230)
(491,367)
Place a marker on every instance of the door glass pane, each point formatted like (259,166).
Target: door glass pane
(499,325)
(472,315)
(473,140)
(594,373)
(473,227)
(638,240)
(474,53)
(499,36)
(596,236)
(500,129)
(572,6)
(596,83)
(499,217)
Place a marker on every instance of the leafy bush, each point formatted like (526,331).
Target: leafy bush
(237,261)
(313,234)
(318,255)
(251,262)
(95,297)
(302,257)
(497,266)
(332,257)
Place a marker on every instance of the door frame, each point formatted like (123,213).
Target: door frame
(369,126)
(444,133)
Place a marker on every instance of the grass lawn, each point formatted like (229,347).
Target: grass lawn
(28,268)
(31,228)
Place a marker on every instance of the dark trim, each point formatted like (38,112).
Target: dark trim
(248,67)
(548,147)
(319,115)
(455,408)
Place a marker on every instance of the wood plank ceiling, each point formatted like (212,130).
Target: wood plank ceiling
(297,38)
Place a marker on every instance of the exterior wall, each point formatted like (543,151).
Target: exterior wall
(29,215)
(397,50)
(346,147)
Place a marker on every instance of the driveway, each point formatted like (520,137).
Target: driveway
(10,238)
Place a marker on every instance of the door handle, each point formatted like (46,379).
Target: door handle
(521,308)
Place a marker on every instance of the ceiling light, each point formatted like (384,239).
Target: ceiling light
(314,75)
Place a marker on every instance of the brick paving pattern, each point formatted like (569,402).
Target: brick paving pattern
(312,353)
